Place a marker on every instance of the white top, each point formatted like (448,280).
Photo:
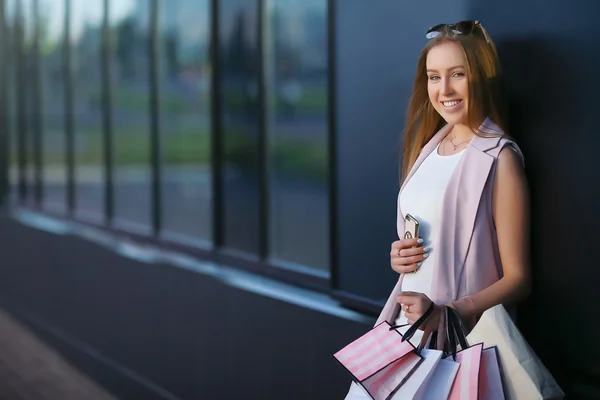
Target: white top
(422,198)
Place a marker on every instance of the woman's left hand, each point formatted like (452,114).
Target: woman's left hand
(414,305)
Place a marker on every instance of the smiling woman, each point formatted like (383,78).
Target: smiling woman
(448,91)
(457,157)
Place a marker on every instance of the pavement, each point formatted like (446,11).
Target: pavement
(31,370)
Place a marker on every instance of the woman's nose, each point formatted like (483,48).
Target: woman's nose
(446,88)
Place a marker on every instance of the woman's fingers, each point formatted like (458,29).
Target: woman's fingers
(404,269)
(410,260)
(404,244)
(416,251)
(405,257)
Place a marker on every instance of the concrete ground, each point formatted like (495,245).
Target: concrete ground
(31,370)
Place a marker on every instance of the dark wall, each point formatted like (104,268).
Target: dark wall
(377,45)
(549,53)
(184,333)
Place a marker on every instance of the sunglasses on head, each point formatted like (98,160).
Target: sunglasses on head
(459,28)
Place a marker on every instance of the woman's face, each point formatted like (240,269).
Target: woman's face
(447,83)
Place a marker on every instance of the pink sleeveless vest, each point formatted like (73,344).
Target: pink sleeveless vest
(468,258)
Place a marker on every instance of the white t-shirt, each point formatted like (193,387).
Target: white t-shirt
(422,198)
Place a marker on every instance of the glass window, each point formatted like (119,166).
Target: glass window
(85,39)
(129,72)
(53,83)
(240,122)
(184,77)
(297,126)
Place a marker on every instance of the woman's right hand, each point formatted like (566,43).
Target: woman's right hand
(407,255)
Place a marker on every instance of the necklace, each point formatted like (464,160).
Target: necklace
(454,146)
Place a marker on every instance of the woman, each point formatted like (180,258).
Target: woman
(464,181)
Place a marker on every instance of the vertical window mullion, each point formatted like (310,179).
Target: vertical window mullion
(107,126)
(4,141)
(332,146)
(21,66)
(37,111)
(69,122)
(263,143)
(216,132)
(155,143)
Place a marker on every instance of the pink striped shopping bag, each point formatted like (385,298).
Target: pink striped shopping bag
(466,383)
(380,361)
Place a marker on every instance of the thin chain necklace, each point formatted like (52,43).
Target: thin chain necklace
(454,146)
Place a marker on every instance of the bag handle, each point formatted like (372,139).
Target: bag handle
(455,332)
(418,323)
(450,334)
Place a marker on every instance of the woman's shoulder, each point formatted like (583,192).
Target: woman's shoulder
(509,151)
(495,141)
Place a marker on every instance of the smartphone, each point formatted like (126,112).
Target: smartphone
(411,227)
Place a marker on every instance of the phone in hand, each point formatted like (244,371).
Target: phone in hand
(411,227)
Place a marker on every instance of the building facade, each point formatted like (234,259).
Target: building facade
(265,136)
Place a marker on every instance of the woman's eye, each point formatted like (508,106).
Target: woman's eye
(434,77)
(458,74)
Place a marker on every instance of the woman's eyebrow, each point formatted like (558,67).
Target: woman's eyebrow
(449,69)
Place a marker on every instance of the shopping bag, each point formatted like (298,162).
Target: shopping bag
(414,387)
(490,378)
(466,384)
(441,380)
(524,376)
(380,360)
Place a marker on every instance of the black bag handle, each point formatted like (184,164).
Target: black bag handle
(455,331)
(418,323)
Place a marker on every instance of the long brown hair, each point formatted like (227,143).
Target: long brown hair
(485,92)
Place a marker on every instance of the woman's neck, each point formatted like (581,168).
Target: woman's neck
(461,132)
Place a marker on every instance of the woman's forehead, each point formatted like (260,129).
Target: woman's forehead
(446,55)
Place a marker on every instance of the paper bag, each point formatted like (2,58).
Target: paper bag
(523,374)
(414,387)
(490,379)
(466,384)
(380,361)
(441,380)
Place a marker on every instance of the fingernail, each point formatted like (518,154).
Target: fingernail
(428,248)
(420,241)
(419,264)
(400,291)
(425,255)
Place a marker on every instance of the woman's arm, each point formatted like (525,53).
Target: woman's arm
(510,208)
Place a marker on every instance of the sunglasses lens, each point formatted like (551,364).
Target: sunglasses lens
(436,28)
(459,28)
(465,27)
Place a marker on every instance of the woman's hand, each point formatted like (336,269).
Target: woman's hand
(407,255)
(414,306)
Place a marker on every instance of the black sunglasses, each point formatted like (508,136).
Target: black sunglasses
(459,28)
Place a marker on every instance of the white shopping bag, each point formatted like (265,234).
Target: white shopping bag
(414,387)
(523,374)
(440,382)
